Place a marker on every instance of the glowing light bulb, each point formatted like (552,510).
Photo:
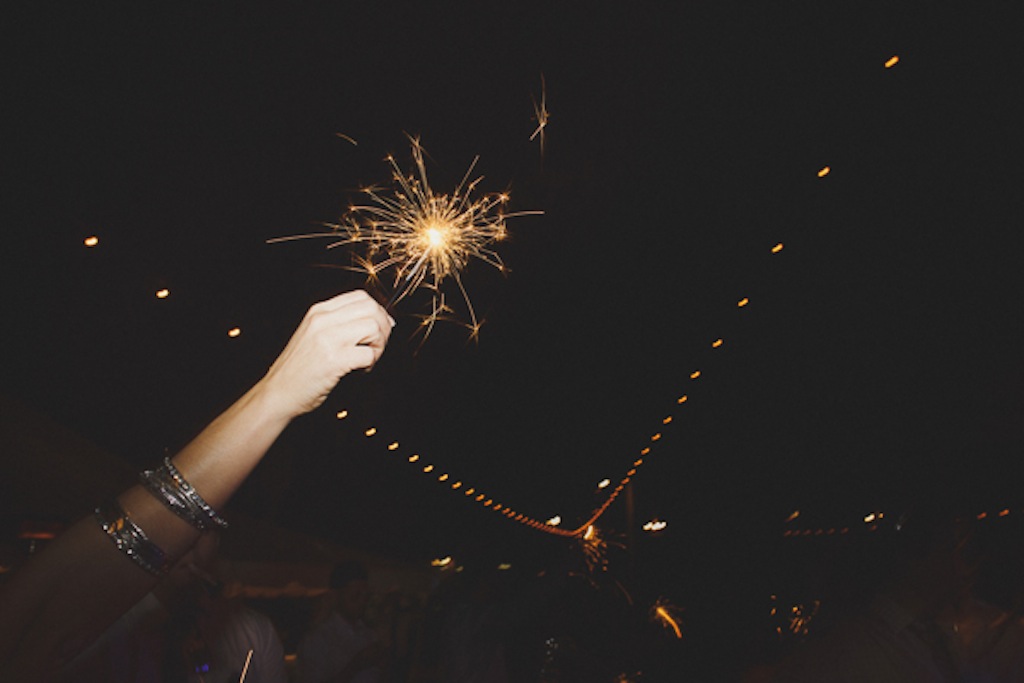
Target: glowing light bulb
(234,332)
(603,483)
(742,302)
(715,344)
(825,170)
(695,374)
(777,248)
(163,293)
(892,61)
(92,241)
(683,399)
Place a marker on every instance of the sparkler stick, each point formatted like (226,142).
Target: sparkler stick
(245,669)
(424,237)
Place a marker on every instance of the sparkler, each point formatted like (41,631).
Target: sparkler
(424,237)
(541,115)
(665,613)
(245,669)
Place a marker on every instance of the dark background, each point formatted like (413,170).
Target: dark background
(878,364)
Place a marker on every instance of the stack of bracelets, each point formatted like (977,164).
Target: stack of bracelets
(170,488)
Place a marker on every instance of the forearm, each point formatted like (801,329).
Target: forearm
(82,582)
(74,589)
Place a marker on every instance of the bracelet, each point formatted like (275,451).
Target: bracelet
(131,540)
(193,497)
(159,483)
(170,488)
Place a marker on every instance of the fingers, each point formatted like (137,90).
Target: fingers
(345,333)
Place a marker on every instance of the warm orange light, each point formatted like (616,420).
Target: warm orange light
(646,450)
(655,437)
(414,457)
(443,477)
(983,515)
(683,399)
(603,483)
(163,293)
(1004,513)
(470,491)
(825,170)
(393,446)
(456,484)
(342,414)
(666,420)
(793,515)
(234,332)
(92,241)
(638,462)
(892,61)
(428,468)
(715,344)
(631,472)
(555,521)
(869,518)
(371,431)
(695,374)
(743,302)
(777,248)
(441,562)
(480,497)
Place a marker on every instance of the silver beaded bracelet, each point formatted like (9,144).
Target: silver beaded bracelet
(131,540)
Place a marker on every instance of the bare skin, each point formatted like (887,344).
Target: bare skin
(80,584)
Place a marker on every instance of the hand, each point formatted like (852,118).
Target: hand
(337,336)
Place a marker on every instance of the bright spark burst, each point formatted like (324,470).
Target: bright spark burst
(424,237)
(665,613)
(541,115)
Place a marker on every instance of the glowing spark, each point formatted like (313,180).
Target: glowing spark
(603,483)
(441,562)
(163,293)
(345,137)
(892,61)
(715,344)
(371,431)
(777,248)
(682,399)
(342,414)
(695,374)
(414,457)
(541,115)
(666,614)
(92,241)
(555,521)
(743,302)
(595,549)
(794,515)
(393,446)
(824,172)
(234,332)
(423,237)
(869,518)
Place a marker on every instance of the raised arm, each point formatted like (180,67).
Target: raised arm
(67,595)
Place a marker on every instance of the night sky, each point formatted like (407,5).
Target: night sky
(879,360)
